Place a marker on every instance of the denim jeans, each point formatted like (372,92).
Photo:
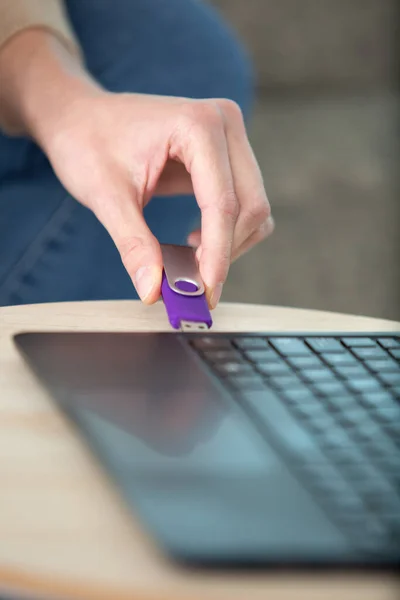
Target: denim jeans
(51,247)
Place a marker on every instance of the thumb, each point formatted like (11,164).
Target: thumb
(139,250)
(141,256)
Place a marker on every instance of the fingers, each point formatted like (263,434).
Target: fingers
(255,238)
(140,252)
(202,146)
(174,180)
(228,186)
(207,152)
(254,206)
(194,239)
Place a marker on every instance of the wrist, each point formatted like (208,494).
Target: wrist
(43,82)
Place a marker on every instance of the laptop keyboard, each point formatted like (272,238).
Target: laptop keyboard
(331,407)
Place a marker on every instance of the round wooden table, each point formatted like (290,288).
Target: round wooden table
(65,533)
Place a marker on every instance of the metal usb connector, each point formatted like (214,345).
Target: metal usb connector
(193,326)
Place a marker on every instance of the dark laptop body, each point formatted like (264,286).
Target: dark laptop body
(241,450)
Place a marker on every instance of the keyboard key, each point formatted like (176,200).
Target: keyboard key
(291,346)
(389,342)
(396,391)
(326,479)
(262,355)
(394,477)
(246,343)
(388,462)
(304,362)
(388,414)
(367,430)
(366,478)
(392,523)
(370,429)
(390,378)
(233,368)
(227,355)
(349,504)
(299,394)
(389,504)
(247,382)
(393,429)
(337,438)
(361,341)
(395,352)
(324,344)
(330,388)
(395,435)
(386,364)
(374,500)
(382,447)
(307,410)
(372,534)
(284,382)
(376,399)
(314,375)
(272,411)
(339,359)
(366,384)
(339,492)
(349,372)
(375,353)
(383,501)
(274,368)
(348,454)
(321,424)
(352,417)
(371,486)
(322,470)
(342,402)
(212,341)
(369,433)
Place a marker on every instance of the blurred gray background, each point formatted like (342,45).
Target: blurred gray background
(325,132)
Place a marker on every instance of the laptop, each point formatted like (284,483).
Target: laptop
(250,450)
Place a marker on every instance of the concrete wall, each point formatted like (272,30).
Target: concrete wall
(318,43)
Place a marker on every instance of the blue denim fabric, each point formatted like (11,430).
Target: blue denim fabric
(52,248)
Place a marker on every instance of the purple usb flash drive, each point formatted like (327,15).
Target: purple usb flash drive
(183,291)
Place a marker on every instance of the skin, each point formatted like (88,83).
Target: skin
(113,152)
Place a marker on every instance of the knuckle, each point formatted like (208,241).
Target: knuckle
(201,114)
(259,235)
(258,213)
(263,211)
(132,249)
(229,205)
(231,109)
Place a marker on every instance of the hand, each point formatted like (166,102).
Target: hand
(113,152)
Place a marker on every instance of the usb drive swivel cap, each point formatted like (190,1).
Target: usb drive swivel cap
(183,291)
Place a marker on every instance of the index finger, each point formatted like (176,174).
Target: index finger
(205,155)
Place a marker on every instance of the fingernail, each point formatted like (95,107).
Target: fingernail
(144,282)
(216,295)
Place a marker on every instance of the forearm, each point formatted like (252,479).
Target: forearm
(41,79)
